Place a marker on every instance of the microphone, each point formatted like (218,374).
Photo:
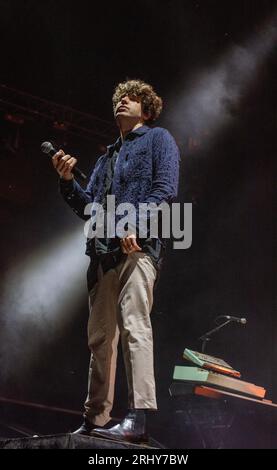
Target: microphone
(48,148)
(243,321)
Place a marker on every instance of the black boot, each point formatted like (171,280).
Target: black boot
(131,429)
(85,428)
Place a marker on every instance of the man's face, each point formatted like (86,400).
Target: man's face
(129,109)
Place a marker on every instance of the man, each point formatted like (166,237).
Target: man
(140,167)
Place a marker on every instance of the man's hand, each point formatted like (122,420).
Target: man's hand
(129,244)
(64,165)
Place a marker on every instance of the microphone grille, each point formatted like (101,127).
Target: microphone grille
(46,147)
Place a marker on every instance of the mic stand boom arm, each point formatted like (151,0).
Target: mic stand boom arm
(207,336)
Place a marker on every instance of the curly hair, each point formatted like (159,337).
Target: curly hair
(151,103)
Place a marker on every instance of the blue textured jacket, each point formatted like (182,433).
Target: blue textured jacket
(147,170)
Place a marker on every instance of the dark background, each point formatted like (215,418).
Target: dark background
(74,54)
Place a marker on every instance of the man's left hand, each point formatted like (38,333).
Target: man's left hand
(129,244)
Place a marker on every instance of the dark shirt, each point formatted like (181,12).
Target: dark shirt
(108,251)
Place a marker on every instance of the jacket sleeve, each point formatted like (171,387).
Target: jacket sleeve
(77,197)
(166,159)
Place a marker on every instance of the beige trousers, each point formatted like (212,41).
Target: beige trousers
(120,304)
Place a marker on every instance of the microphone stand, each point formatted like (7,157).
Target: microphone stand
(207,336)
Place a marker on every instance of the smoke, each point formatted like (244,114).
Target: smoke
(213,95)
(38,298)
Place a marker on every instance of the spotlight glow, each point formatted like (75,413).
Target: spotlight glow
(213,95)
(39,297)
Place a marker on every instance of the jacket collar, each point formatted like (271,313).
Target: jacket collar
(130,136)
(139,131)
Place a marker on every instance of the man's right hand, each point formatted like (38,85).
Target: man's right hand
(64,165)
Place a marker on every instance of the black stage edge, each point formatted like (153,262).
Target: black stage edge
(72,441)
